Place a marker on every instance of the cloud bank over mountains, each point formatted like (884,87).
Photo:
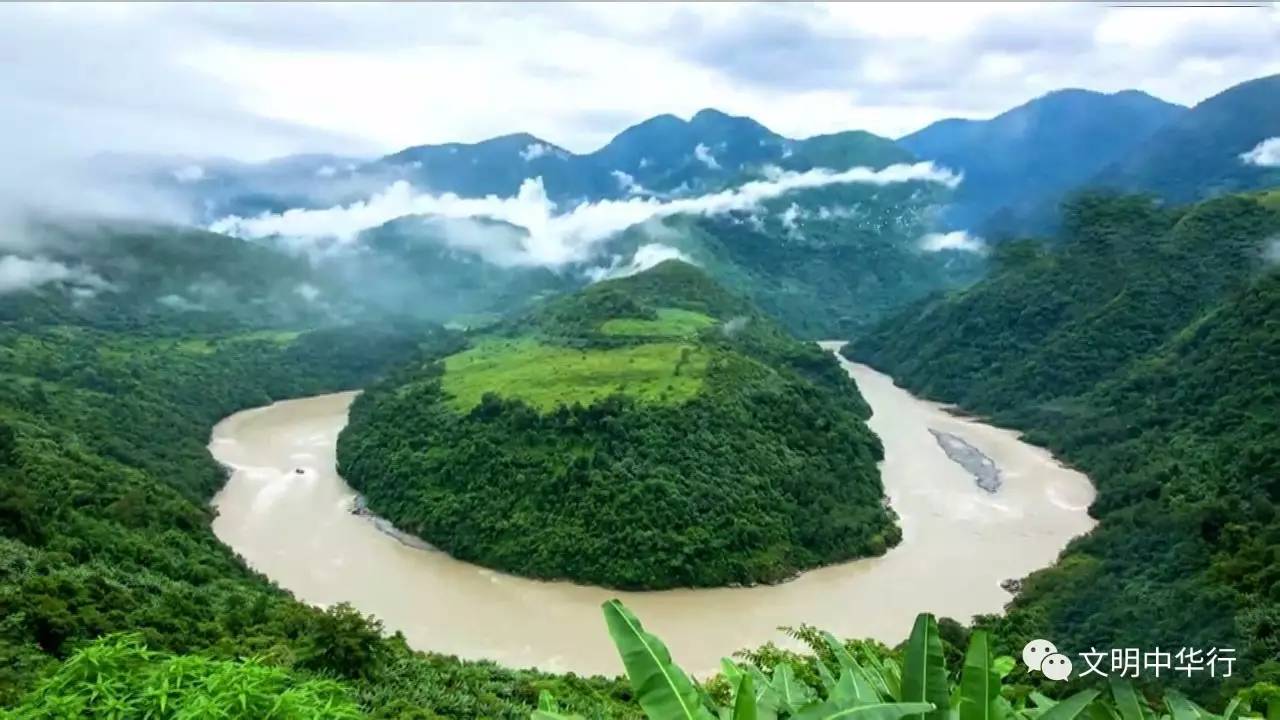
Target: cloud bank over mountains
(551,238)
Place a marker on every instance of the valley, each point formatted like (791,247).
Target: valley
(584,362)
(299,530)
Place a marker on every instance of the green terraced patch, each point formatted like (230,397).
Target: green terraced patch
(671,322)
(546,376)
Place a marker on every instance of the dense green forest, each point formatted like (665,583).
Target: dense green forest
(824,262)
(648,432)
(1146,351)
(104,528)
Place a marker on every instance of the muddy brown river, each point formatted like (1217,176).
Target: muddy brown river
(959,543)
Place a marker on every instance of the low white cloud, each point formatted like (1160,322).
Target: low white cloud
(549,237)
(646,256)
(188,174)
(627,183)
(533,151)
(326,171)
(1271,251)
(307,292)
(19,273)
(790,217)
(955,240)
(704,156)
(180,303)
(1265,154)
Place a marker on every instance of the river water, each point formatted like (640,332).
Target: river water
(959,543)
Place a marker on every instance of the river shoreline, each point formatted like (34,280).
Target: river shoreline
(299,529)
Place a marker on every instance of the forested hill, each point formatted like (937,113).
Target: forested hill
(648,432)
(154,278)
(1207,150)
(104,528)
(1146,350)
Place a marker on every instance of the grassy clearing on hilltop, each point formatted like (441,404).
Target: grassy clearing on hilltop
(671,322)
(546,376)
(543,448)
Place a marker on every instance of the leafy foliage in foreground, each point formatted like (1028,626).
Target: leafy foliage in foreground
(859,682)
(104,522)
(744,458)
(117,677)
(1146,352)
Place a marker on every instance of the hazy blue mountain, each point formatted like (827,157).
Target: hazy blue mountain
(1199,153)
(1036,152)
(823,260)
(664,155)
(668,154)
(497,166)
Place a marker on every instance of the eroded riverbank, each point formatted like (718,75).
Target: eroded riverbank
(959,543)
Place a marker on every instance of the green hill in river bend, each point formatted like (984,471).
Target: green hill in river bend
(647,432)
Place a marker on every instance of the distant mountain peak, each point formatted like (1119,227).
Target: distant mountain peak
(1024,158)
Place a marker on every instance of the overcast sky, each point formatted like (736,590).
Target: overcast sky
(256,81)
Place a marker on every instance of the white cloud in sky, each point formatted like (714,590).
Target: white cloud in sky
(955,240)
(1265,154)
(189,174)
(553,238)
(254,80)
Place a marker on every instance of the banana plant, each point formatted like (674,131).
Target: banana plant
(867,688)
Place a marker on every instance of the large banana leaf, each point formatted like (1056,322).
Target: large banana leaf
(824,673)
(889,670)
(794,694)
(1071,707)
(1042,701)
(853,689)
(731,671)
(832,710)
(1180,707)
(744,700)
(979,681)
(924,674)
(862,675)
(1101,711)
(1127,703)
(661,687)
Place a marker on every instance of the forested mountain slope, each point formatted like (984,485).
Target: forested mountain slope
(106,404)
(647,432)
(1205,151)
(131,275)
(1030,155)
(1146,351)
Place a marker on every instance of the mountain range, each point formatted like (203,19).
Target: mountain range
(826,257)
